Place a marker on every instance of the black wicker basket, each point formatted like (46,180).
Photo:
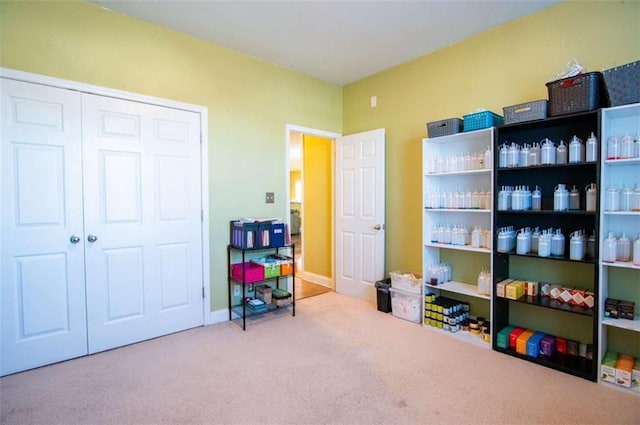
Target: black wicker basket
(583,92)
(444,127)
(623,83)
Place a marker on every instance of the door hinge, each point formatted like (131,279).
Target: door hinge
(202,215)
(203,292)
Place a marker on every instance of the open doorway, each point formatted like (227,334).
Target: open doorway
(310,155)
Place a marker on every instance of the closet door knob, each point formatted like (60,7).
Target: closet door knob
(92,238)
(74,239)
(377,227)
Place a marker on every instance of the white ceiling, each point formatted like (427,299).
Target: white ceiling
(338,41)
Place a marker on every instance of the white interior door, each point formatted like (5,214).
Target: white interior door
(42,267)
(360,213)
(142,220)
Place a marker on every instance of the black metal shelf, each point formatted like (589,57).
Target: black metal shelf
(550,257)
(576,366)
(547,302)
(241,310)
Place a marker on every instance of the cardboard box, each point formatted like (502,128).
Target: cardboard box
(566,294)
(514,290)
(561,345)
(626,309)
(500,291)
(513,337)
(624,367)
(635,376)
(577,297)
(548,346)
(503,336)
(608,367)
(263,292)
(521,342)
(611,308)
(531,288)
(589,299)
(573,347)
(545,289)
(533,344)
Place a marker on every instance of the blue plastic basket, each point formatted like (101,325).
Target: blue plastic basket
(479,120)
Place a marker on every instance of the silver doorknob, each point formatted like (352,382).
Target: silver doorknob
(74,239)
(377,227)
(92,238)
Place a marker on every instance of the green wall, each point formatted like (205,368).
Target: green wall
(249,101)
(504,66)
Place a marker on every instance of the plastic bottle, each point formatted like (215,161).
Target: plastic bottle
(576,150)
(560,198)
(635,198)
(488,158)
(609,249)
(557,243)
(536,199)
(574,198)
(626,198)
(612,200)
(576,246)
(544,244)
(514,155)
(623,249)
(636,251)
(613,147)
(592,148)
(523,243)
(591,196)
(591,245)
(561,153)
(523,160)
(503,156)
(626,147)
(547,153)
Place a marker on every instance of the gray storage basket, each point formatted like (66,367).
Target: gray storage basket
(529,111)
(623,83)
(444,127)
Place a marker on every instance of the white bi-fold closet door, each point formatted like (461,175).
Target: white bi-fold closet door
(101,223)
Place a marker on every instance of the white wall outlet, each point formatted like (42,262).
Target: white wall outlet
(236,290)
(270,198)
(374,101)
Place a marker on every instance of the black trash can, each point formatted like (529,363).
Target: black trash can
(384,295)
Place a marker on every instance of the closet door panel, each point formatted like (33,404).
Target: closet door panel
(144,163)
(41,269)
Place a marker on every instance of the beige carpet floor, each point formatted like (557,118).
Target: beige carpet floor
(339,361)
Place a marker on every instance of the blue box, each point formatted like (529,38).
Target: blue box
(278,238)
(244,235)
(533,344)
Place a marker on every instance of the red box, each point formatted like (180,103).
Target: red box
(561,345)
(252,272)
(513,337)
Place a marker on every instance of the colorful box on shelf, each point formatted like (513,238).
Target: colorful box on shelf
(248,272)
(521,341)
(271,266)
(547,346)
(257,234)
(624,369)
(533,344)
(286,263)
(503,336)
(263,292)
(513,337)
(608,367)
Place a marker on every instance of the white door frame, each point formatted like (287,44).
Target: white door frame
(320,133)
(204,151)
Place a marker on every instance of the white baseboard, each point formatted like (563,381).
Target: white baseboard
(316,278)
(217,316)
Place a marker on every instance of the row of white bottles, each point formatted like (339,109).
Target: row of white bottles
(459,162)
(625,147)
(546,153)
(438,274)
(458,199)
(621,249)
(461,236)
(484,282)
(625,199)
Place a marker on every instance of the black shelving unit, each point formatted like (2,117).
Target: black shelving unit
(241,309)
(547,177)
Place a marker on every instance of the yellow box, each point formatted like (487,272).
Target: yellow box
(514,290)
(624,368)
(521,342)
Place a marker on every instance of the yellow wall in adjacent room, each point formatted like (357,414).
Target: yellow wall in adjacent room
(504,66)
(317,210)
(249,101)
